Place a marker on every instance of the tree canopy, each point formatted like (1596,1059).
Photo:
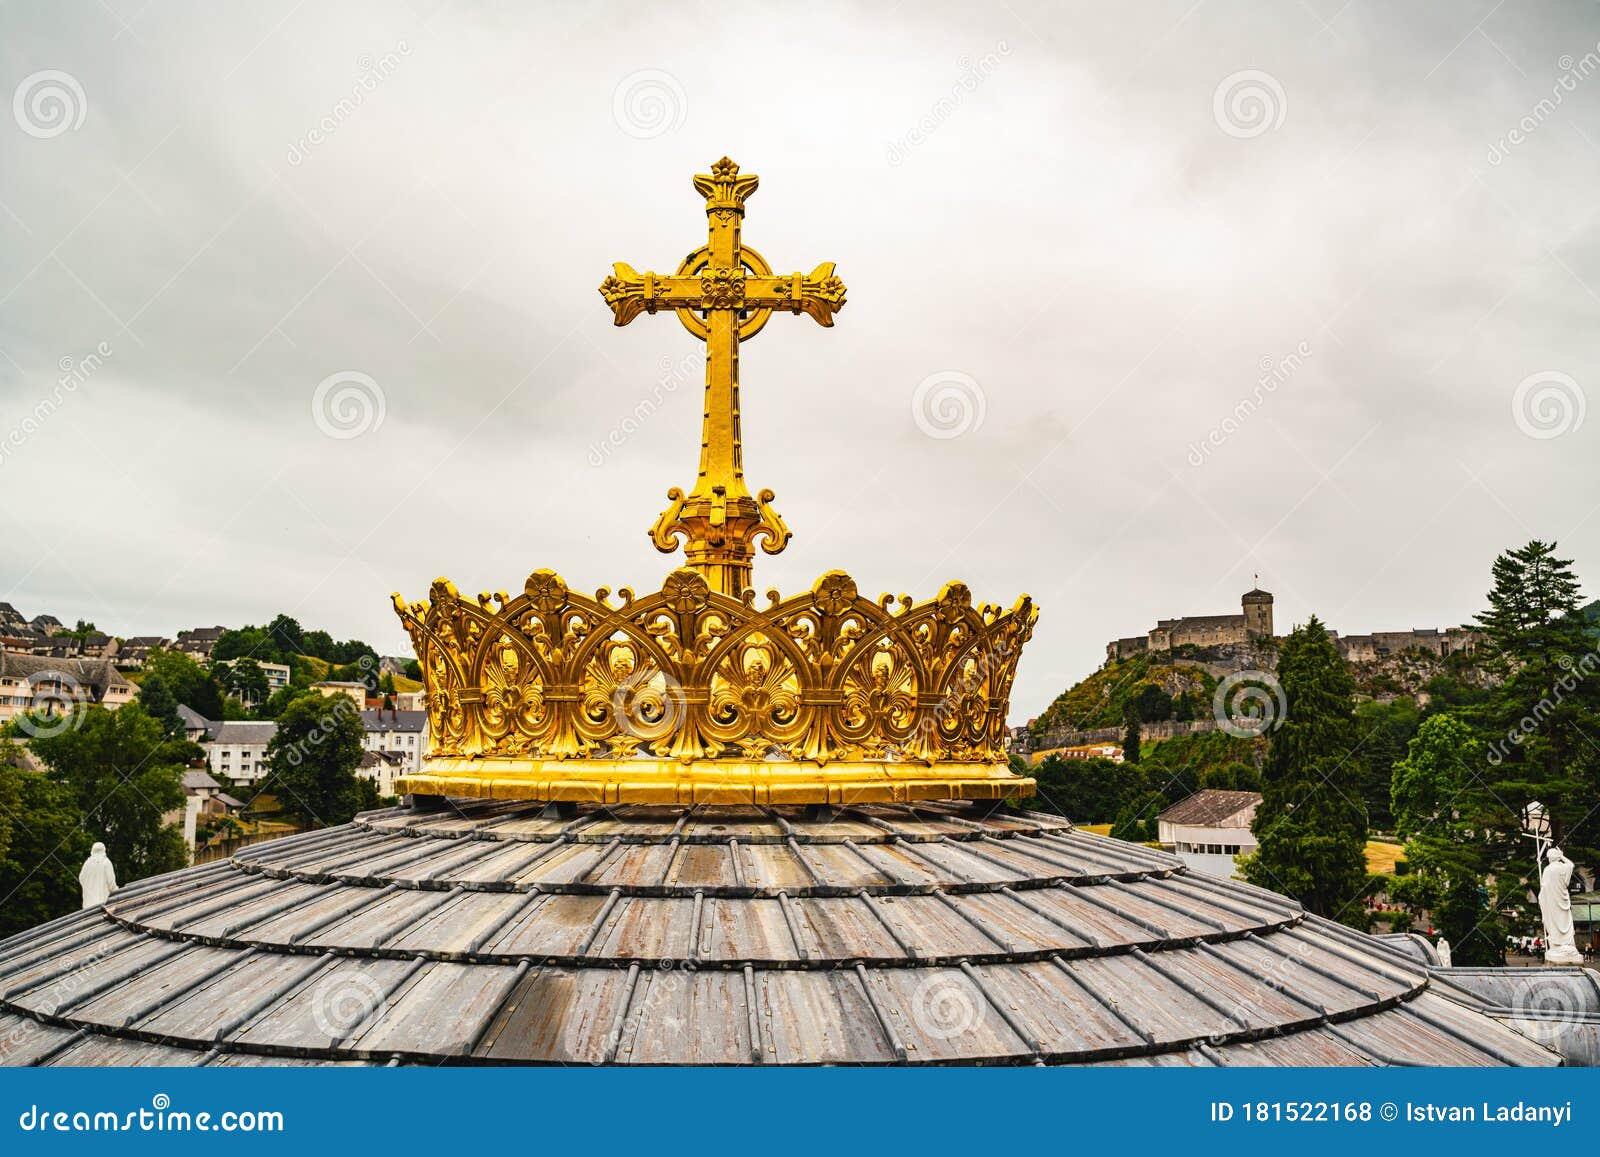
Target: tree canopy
(126,776)
(312,761)
(161,705)
(1311,826)
(189,682)
(42,847)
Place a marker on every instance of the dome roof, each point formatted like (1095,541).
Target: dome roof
(496,932)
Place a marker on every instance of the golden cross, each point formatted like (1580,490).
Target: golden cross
(723,293)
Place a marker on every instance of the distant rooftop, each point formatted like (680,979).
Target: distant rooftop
(192,719)
(394,720)
(241,731)
(100,675)
(1209,807)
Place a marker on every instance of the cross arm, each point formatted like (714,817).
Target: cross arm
(818,294)
(630,293)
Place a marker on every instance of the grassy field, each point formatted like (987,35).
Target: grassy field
(1381,856)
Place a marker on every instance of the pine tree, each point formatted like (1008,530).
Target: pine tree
(1542,723)
(161,705)
(1130,739)
(1385,729)
(1535,594)
(1311,825)
(1536,732)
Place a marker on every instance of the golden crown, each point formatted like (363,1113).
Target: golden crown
(693,694)
(649,689)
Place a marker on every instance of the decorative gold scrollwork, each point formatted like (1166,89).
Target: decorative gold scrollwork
(690,673)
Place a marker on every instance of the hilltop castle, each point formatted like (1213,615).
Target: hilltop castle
(1255,623)
(1202,630)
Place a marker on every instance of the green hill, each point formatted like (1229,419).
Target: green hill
(316,669)
(1173,689)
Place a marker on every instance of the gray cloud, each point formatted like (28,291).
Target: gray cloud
(1041,199)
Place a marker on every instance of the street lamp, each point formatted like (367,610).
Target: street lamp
(1536,826)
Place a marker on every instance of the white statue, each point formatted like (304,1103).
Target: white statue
(1555,905)
(98,877)
(1443,950)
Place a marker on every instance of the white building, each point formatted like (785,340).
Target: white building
(394,743)
(203,797)
(1210,828)
(237,751)
(1111,751)
(195,725)
(382,768)
(276,674)
(403,733)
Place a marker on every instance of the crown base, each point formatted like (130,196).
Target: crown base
(713,781)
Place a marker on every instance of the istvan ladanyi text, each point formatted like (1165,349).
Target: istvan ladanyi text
(1518,1112)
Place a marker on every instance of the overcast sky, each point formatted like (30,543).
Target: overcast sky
(1077,240)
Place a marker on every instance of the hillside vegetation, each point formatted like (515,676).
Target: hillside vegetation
(1142,685)
(1098,791)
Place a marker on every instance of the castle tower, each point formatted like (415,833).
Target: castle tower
(1257,605)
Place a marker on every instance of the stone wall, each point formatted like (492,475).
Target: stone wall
(1214,632)
(1059,737)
